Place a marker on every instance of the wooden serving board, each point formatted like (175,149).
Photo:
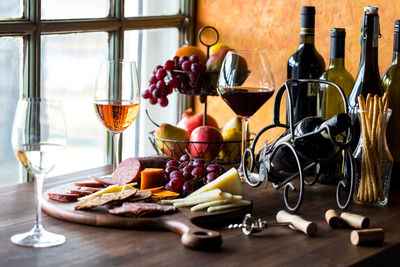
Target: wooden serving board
(182,222)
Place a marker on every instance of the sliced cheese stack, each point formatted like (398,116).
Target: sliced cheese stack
(225,192)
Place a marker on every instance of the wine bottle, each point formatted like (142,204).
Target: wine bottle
(391,84)
(331,101)
(305,63)
(368,78)
(316,146)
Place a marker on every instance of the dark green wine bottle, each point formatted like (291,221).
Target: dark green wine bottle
(305,63)
(368,79)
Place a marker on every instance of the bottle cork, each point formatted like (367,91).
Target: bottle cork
(354,220)
(333,218)
(298,223)
(367,237)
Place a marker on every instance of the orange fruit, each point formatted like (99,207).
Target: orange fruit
(189,50)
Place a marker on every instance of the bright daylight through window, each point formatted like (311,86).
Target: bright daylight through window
(58,56)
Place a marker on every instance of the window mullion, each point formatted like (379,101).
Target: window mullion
(115,52)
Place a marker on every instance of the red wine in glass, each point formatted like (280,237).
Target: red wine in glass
(245,101)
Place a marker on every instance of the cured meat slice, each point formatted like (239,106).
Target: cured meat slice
(128,171)
(90,184)
(63,197)
(78,191)
(104,199)
(102,180)
(141,209)
(90,189)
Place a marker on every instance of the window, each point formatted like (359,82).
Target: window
(51,48)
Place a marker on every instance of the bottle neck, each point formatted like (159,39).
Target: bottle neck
(337,52)
(336,62)
(369,43)
(307,39)
(396,48)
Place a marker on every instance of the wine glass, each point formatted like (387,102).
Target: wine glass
(245,83)
(117,98)
(38,137)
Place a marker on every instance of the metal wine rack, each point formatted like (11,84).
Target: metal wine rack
(264,163)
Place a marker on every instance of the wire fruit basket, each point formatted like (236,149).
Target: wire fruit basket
(226,152)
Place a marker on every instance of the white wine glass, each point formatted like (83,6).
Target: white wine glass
(117,98)
(38,137)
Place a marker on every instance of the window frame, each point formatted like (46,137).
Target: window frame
(31,27)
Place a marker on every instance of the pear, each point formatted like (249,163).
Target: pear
(234,123)
(230,152)
(171,132)
(214,63)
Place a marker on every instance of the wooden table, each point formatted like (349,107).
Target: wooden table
(280,246)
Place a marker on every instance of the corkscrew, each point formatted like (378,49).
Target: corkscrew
(251,225)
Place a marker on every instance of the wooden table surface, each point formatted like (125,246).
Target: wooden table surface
(279,246)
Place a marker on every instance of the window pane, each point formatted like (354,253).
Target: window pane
(144,47)
(11,9)
(69,67)
(73,9)
(135,8)
(10,84)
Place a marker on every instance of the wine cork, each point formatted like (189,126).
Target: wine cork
(354,220)
(367,237)
(298,223)
(333,218)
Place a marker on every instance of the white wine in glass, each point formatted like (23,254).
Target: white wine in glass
(38,137)
(117,98)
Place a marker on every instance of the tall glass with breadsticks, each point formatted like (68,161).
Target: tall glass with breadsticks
(374,161)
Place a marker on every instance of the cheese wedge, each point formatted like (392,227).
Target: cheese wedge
(227,182)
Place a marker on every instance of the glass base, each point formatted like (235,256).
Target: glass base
(38,238)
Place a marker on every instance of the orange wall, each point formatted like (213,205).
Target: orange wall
(274,26)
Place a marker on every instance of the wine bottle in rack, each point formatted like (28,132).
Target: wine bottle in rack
(305,63)
(330,100)
(315,146)
(368,78)
(391,84)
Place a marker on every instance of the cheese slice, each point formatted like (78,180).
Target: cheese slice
(109,189)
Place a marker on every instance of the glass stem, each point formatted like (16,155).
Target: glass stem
(38,181)
(117,159)
(245,124)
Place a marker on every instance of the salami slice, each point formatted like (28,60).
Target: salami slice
(128,171)
(102,180)
(89,184)
(90,189)
(63,197)
(141,209)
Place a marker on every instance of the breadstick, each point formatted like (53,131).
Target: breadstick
(368,104)
(366,141)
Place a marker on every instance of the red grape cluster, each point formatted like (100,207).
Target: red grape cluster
(187,175)
(187,75)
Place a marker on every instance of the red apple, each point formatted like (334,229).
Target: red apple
(210,150)
(191,120)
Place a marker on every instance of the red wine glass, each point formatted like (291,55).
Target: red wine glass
(245,83)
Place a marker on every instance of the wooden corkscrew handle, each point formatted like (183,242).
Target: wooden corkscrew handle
(298,223)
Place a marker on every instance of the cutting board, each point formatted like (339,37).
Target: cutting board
(183,222)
